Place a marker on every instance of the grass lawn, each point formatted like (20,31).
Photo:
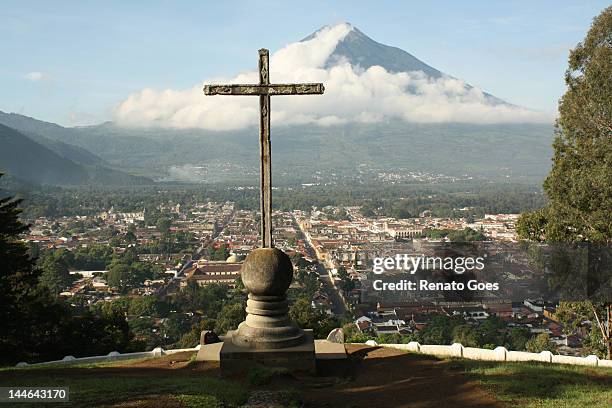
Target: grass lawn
(93,391)
(110,383)
(542,385)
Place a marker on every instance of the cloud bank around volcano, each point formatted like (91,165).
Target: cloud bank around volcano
(352,94)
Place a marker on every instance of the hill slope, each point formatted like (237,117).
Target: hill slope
(50,135)
(29,160)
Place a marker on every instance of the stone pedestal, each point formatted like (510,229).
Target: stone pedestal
(267,325)
(267,336)
(298,358)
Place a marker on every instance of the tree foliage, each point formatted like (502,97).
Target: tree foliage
(540,343)
(230,316)
(55,275)
(579,185)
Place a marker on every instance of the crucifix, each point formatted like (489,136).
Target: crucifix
(264,90)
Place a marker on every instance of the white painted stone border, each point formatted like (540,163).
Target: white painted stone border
(454,350)
(497,354)
(112,356)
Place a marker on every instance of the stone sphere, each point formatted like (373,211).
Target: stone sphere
(267,272)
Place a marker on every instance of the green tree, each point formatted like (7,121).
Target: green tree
(326,324)
(55,275)
(143,271)
(303,314)
(27,310)
(230,316)
(440,330)
(540,343)
(144,306)
(347,285)
(517,338)
(121,276)
(239,285)
(466,335)
(220,254)
(89,334)
(207,300)
(163,224)
(146,334)
(175,326)
(573,315)
(130,237)
(92,257)
(353,335)
(118,306)
(579,186)
(466,235)
(492,331)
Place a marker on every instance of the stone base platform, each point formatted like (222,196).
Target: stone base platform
(326,350)
(235,359)
(209,352)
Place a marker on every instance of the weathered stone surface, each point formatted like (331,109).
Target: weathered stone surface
(336,336)
(526,356)
(208,337)
(209,352)
(267,274)
(299,358)
(326,350)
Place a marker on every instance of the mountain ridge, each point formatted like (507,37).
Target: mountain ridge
(31,161)
(393,59)
(360,50)
(489,151)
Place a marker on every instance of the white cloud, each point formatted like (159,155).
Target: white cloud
(36,76)
(352,94)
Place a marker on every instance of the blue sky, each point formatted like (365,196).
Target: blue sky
(73,62)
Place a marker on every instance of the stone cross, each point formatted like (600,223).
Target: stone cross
(264,90)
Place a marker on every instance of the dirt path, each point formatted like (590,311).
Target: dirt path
(383,377)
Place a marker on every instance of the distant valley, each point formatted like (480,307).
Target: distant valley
(516,152)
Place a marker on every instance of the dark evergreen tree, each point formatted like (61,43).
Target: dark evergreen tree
(35,324)
(27,311)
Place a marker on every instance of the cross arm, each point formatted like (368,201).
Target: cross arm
(272,89)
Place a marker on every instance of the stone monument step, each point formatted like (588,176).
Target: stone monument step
(327,350)
(209,352)
(324,350)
